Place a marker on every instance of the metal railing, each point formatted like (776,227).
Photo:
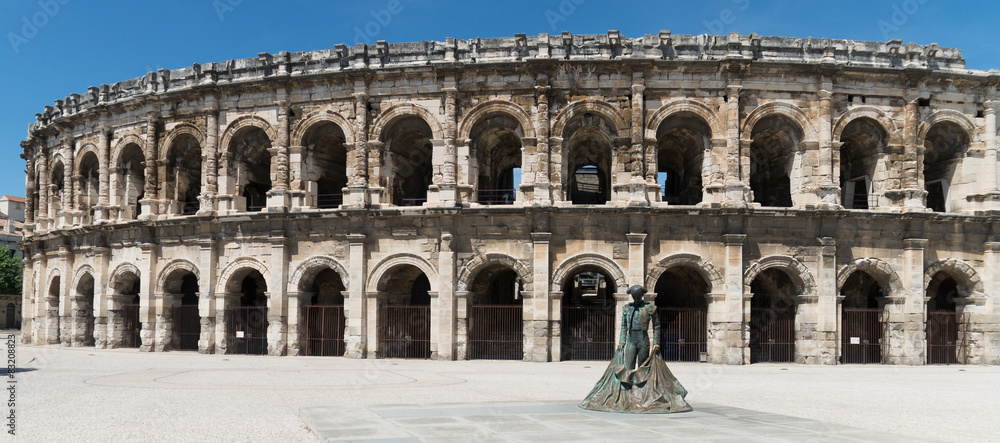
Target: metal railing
(684,334)
(404,331)
(851,201)
(863,338)
(496,196)
(131,326)
(772,335)
(412,201)
(946,332)
(324,330)
(246,330)
(187,327)
(496,332)
(329,201)
(588,333)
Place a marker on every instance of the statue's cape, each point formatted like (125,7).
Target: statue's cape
(648,389)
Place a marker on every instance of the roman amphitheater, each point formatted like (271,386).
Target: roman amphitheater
(810,200)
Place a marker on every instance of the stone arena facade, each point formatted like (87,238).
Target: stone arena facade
(805,200)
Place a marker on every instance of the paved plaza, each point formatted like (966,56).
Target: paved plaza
(124,395)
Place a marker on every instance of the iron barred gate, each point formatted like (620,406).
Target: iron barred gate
(404,331)
(496,332)
(324,331)
(772,335)
(187,327)
(863,337)
(946,337)
(246,330)
(588,333)
(131,326)
(684,334)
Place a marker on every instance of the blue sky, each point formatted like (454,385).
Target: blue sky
(52,48)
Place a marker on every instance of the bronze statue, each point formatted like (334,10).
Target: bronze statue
(648,387)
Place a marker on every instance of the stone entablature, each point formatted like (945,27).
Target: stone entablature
(725,156)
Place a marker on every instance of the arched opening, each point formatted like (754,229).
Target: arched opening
(131,181)
(83,312)
(246,323)
(588,315)
(90,185)
(404,321)
(327,166)
(52,313)
(496,326)
(10,322)
(946,322)
(944,148)
(251,167)
(681,143)
(682,303)
(864,141)
(324,315)
(772,151)
(58,188)
(496,142)
(126,289)
(863,319)
(772,317)
(408,154)
(589,159)
(183,286)
(183,178)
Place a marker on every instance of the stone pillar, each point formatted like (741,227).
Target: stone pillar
(355,306)
(445,324)
(357,185)
(541,309)
(66,296)
(296,322)
(164,305)
(912,181)
(68,197)
(222,301)
(374,300)
(734,337)
(40,333)
(737,189)
(302,191)
(827,181)
(636,166)
(210,190)
(148,202)
(30,190)
(448,188)
(28,299)
(907,341)
(277,196)
(147,287)
(101,301)
(991,198)
(541,187)
(103,154)
(52,336)
(206,289)
(984,346)
(827,307)
(43,190)
(462,324)
(636,259)
(116,320)
(277,314)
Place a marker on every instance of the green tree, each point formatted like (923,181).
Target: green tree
(10,272)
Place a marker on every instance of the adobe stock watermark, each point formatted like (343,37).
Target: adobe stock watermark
(381,18)
(726,17)
(565,9)
(901,14)
(31,26)
(223,7)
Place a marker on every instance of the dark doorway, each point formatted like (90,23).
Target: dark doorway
(588,316)
(325,320)
(187,322)
(772,318)
(246,325)
(496,326)
(863,320)
(945,325)
(405,316)
(683,307)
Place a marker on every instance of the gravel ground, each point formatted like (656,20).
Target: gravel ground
(123,395)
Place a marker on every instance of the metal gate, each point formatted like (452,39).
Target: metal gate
(863,338)
(404,331)
(496,332)
(684,334)
(131,326)
(772,335)
(246,330)
(325,331)
(187,327)
(946,337)
(588,333)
